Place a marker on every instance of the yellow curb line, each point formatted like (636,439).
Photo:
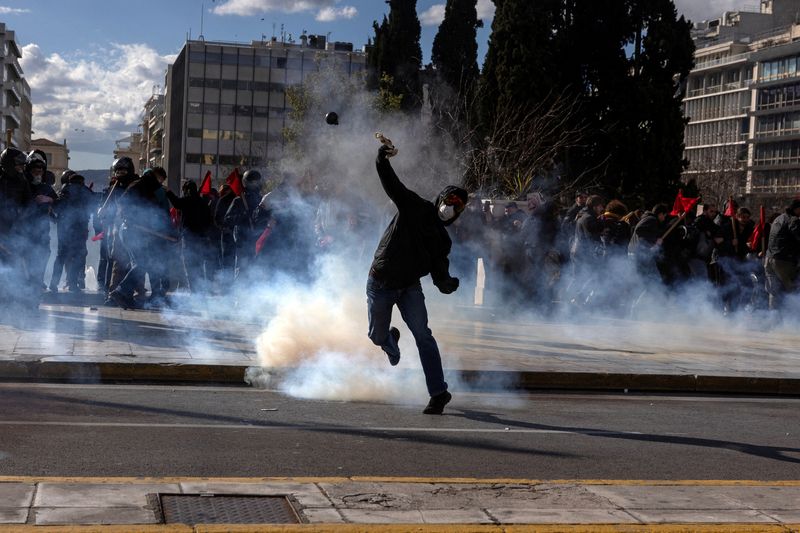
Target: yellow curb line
(413,528)
(389,479)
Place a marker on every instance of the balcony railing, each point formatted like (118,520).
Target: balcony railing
(782,160)
(720,61)
(777,133)
(720,88)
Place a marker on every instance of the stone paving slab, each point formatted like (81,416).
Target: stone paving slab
(397,502)
(16,494)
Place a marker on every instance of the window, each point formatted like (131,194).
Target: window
(197,57)
(194,132)
(280,62)
(195,108)
(193,158)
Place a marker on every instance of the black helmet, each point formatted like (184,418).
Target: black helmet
(189,188)
(49,178)
(251,175)
(36,159)
(10,158)
(123,163)
(64,179)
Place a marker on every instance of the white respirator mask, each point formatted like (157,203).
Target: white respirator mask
(446,212)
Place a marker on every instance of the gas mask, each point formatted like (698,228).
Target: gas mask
(252,185)
(36,176)
(446,212)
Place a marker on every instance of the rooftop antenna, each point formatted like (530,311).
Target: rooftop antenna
(202,13)
(283,34)
(273,31)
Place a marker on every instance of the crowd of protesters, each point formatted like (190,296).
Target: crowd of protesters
(602,255)
(536,254)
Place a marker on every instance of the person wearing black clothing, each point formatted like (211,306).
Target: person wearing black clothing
(783,253)
(646,241)
(287,238)
(58,262)
(196,250)
(144,227)
(239,220)
(75,202)
(414,245)
(38,219)
(15,199)
(223,238)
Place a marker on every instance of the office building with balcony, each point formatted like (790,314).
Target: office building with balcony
(743,103)
(15,96)
(226,103)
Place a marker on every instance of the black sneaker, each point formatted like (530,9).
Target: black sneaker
(394,359)
(437,403)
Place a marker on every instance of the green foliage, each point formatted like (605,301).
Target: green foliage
(626,60)
(385,100)
(455,49)
(396,53)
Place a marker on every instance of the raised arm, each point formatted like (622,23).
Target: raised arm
(391,183)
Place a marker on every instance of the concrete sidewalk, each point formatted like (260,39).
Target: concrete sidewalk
(77,339)
(418,502)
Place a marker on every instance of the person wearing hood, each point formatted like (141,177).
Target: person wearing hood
(414,245)
(75,202)
(144,227)
(239,220)
(783,254)
(39,215)
(196,249)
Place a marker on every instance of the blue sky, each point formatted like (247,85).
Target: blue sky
(93,63)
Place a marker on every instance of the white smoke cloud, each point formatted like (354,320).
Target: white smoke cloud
(13,10)
(102,95)
(329,14)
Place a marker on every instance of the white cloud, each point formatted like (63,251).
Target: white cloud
(103,97)
(706,9)
(329,14)
(433,16)
(12,10)
(254,7)
(485,10)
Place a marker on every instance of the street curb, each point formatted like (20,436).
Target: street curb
(478,380)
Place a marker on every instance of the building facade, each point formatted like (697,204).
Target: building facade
(57,155)
(152,144)
(226,103)
(743,105)
(15,98)
(130,146)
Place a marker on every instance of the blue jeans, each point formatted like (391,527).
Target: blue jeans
(411,303)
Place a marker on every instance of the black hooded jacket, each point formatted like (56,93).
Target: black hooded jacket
(784,238)
(416,242)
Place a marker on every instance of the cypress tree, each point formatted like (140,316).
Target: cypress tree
(455,48)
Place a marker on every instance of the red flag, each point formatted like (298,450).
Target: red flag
(730,207)
(263,239)
(758,232)
(682,204)
(175,217)
(235,182)
(99,236)
(205,187)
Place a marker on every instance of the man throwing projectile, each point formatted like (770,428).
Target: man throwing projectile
(414,245)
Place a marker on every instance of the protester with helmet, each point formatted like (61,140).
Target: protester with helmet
(239,219)
(15,199)
(75,203)
(143,228)
(123,173)
(58,263)
(414,245)
(39,216)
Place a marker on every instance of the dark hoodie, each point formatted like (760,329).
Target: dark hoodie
(195,213)
(416,242)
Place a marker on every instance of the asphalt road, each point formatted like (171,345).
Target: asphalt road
(120,430)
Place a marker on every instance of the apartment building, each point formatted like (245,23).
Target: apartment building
(226,104)
(152,140)
(15,97)
(130,146)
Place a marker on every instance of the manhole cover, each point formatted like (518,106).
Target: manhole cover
(194,509)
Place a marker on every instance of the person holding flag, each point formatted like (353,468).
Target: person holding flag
(195,228)
(239,218)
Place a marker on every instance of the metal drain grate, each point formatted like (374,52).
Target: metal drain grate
(194,509)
